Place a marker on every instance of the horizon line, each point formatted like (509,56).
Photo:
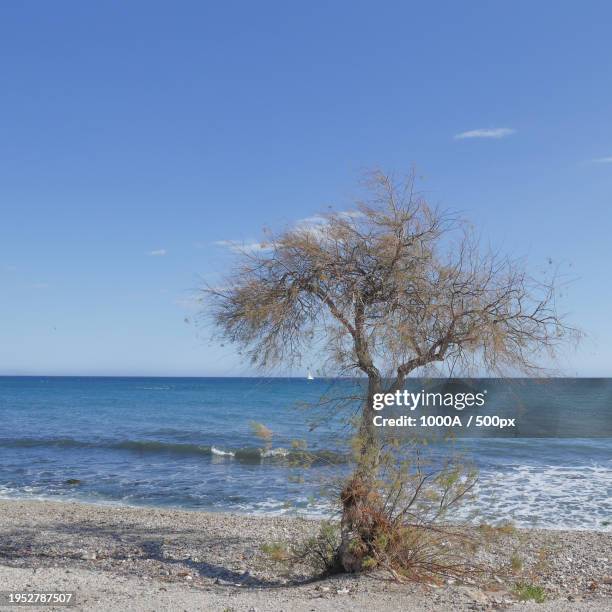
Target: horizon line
(303,377)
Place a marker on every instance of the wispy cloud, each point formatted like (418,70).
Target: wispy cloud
(311,223)
(351,214)
(323,220)
(602,160)
(158,253)
(243,247)
(485,133)
(314,225)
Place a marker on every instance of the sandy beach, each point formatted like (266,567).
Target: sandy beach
(121,558)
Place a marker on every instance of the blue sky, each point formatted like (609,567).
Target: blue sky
(129,128)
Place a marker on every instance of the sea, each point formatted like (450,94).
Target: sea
(226,444)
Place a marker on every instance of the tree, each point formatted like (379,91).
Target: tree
(390,288)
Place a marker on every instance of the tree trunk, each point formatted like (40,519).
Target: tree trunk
(368,442)
(357,493)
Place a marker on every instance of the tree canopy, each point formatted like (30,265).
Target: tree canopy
(392,286)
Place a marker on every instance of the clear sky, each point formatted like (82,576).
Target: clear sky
(135,135)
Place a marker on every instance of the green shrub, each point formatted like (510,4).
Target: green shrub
(516,563)
(526,592)
(320,551)
(276,551)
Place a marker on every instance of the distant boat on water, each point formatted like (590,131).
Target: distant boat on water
(309,376)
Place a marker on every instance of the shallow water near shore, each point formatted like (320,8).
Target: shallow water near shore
(188,443)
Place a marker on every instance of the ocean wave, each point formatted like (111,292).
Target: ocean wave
(244,455)
(154,446)
(35,442)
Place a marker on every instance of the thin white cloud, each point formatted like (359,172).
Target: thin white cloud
(158,253)
(319,220)
(316,224)
(602,160)
(485,133)
(351,214)
(313,225)
(314,220)
(243,247)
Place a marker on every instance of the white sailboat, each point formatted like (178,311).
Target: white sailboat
(309,376)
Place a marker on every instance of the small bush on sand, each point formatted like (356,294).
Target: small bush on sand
(506,528)
(527,592)
(496,533)
(277,551)
(319,551)
(397,522)
(516,563)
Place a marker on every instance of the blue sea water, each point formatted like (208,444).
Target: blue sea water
(189,443)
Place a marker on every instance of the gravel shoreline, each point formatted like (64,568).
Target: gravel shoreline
(123,558)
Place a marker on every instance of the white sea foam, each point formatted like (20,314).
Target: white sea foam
(222,453)
(301,505)
(275,452)
(550,497)
(530,496)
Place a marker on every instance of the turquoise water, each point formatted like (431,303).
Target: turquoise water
(186,442)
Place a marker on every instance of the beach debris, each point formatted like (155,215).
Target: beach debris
(88,556)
